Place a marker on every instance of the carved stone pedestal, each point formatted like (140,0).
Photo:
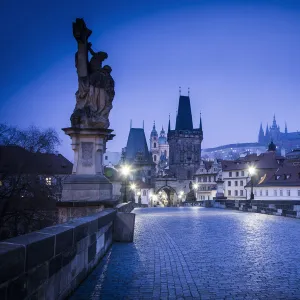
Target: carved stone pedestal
(87,182)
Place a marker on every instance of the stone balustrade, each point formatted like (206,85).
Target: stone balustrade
(288,208)
(52,262)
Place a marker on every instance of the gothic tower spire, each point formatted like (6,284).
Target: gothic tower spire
(261,134)
(184,119)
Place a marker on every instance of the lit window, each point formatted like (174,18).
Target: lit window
(48,180)
(1,183)
(288,193)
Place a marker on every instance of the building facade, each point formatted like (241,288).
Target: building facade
(236,177)
(184,143)
(159,149)
(206,179)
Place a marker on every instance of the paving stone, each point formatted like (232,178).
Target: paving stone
(200,253)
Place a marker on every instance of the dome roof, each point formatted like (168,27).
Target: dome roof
(162,140)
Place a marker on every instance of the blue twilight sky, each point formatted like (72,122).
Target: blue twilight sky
(241,60)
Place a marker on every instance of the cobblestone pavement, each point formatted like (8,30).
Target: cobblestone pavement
(199,253)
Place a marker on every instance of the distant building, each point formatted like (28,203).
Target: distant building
(137,155)
(233,151)
(159,149)
(281,183)
(236,176)
(206,177)
(283,140)
(184,142)
(111,158)
(51,169)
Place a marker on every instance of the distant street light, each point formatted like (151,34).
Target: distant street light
(125,171)
(251,171)
(195,185)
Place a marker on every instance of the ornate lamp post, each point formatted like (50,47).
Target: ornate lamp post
(125,171)
(251,171)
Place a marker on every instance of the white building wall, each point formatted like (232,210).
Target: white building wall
(234,184)
(276,193)
(111,158)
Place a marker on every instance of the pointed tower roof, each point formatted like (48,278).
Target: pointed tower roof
(184,119)
(267,130)
(274,122)
(137,143)
(261,134)
(200,125)
(154,132)
(285,129)
(169,125)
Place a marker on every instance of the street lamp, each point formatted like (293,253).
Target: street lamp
(125,171)
(251,171)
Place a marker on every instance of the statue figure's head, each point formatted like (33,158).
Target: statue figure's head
(107,69)
(101,55)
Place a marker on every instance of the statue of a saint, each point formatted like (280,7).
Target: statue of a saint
(95,85)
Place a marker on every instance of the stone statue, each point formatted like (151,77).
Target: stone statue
(95,85)
(191,194)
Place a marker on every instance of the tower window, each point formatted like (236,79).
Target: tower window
(154,145)
(189,175)
(154,157)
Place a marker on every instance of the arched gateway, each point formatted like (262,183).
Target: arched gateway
(167,195)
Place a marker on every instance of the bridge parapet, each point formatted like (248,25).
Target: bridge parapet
(52,262)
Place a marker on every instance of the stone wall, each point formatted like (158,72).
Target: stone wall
(52,262)
(288,208)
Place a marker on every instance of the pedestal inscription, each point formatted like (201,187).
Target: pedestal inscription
(87,154)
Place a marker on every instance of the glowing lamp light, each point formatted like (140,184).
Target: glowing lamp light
(251,171)
(138,193)
(154,197)
(181,193)
(133,186)
(125,170)
(195,186)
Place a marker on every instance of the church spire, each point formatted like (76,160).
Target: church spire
(200,125)
(169,125)
(261,134)
(274,125)
(285,130)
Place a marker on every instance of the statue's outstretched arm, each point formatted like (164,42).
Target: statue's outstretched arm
(90,49)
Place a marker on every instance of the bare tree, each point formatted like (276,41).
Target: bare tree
(27,198)
(32,139)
